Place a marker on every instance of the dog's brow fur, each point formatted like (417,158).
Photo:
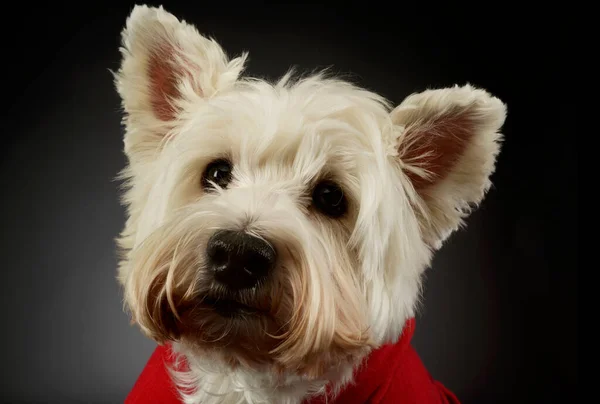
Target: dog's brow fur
(342,287)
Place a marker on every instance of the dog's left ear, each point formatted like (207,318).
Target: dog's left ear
(166,66)
(446,150)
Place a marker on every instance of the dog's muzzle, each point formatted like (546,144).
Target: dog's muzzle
(239,260)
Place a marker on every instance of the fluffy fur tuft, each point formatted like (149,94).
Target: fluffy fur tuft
(342,286)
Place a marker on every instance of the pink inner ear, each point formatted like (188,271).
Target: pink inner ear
(438,147)
(163,83)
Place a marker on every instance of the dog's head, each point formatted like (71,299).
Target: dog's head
(284,225)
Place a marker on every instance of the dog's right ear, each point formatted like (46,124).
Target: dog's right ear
(166,65)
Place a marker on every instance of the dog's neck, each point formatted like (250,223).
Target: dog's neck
(209,381)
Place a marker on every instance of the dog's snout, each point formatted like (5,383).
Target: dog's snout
(239,260)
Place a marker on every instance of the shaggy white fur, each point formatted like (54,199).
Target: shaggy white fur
(342,286)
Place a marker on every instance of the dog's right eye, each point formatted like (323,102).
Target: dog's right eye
(218,172)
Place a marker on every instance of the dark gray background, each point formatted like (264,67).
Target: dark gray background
(498,323)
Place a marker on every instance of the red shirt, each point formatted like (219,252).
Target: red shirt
(393,373)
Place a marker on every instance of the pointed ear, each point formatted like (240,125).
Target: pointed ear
(447,148)
(166,66)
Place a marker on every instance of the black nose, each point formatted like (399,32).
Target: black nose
(239,260)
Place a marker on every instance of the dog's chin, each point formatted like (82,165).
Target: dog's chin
(240,331)
(250,331)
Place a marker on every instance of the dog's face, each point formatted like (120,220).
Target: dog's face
(284,226)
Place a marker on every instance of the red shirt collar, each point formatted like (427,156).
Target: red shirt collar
(392,373)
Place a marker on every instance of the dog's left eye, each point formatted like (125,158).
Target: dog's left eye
(217,172)
(329,198)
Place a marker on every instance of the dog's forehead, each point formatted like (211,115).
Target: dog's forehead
(299,129)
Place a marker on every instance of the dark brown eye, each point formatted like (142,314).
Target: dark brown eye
(217,172)
(329,198)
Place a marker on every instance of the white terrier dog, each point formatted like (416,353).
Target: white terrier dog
(277,233)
